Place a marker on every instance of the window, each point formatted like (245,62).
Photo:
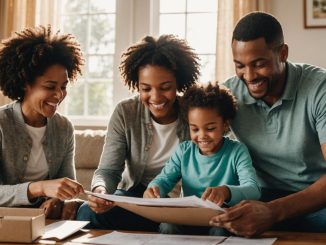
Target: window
(93,23)
(196,21)
(105,28)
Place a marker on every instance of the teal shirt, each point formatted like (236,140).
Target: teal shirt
(230,166)
(285,140)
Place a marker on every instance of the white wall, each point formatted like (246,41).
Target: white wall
(305,45)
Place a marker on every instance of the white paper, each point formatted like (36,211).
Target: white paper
(190,201)
(121,238)
(248,241)
(62,229)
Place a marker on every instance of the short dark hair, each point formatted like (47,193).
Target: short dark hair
(256,25)
(211,95)
(167,51)
(30,52)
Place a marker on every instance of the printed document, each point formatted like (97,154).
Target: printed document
(121,238)
(62,229)
(190,201)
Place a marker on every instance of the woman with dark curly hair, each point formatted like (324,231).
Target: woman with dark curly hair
(210,165)
(144,130)
(37,143)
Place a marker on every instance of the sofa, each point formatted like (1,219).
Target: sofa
(89,145)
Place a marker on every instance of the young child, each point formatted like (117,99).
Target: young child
(211,165)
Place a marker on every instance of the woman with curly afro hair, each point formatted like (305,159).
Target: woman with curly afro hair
(37,143)
(144,130)
(211,166)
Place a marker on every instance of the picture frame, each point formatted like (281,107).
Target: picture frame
(314,13)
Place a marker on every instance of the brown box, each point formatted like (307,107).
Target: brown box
(21,224)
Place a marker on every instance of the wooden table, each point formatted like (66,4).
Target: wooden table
(296,238)
(283,238)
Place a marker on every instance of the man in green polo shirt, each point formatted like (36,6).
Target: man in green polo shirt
(282,120)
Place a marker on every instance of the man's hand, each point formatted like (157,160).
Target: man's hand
(248,218)
(99,205)
(216,195)
(152,192)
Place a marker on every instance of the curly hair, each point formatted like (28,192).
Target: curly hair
(30,52)
(211,95)
(167,51)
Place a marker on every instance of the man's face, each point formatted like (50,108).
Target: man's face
(260,67)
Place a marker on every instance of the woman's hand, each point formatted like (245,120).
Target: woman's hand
(99,205)
(152,192)
(52,208)
(63,189)
(217,195)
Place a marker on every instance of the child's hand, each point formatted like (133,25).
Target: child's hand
(152,192)
(216,195)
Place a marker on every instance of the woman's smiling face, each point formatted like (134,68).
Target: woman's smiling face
(158,91)
(42,98)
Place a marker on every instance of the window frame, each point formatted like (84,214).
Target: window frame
(134,20)
(123,39)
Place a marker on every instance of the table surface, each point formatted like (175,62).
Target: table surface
(283,238)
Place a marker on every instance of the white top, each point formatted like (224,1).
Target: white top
(37,167)
(165,141)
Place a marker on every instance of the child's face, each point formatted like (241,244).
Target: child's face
(206,129)
(158,91)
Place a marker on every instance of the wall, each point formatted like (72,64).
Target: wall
(305,45)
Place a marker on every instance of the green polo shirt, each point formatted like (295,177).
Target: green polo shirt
(285,140)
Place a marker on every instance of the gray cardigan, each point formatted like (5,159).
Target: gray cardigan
(16,144)
(127,145)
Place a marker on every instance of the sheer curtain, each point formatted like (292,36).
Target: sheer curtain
(15,15)
(229,12)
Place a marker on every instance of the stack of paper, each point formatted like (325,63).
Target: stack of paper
(122,238)
(190,201)
(62,229)
(189,210)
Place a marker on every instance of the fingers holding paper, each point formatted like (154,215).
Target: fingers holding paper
(63,189)
(217,195)
(99,205)
(152,192)
(248,218)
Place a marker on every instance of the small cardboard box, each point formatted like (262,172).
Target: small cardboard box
(21,224)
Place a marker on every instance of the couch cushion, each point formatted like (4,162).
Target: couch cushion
(89,146)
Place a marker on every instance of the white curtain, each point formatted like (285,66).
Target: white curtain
(16,15)
(229,12)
